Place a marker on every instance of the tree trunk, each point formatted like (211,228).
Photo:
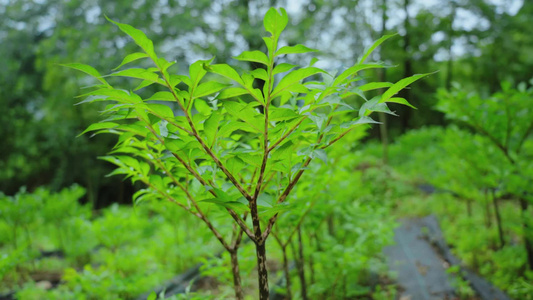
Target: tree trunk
(288,295)
(301,270)
(312,268)
(488,214)
(331,225)
(407,63)
(383,132)
(262,271)
(449,73)
(236,275)
(527,234)
(498,219)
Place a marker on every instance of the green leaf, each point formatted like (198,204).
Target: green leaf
(138,73)
(359,121)
(400,101)
(138,37)
(270,43)
(138,198)
(374,46)
(197,71)
(226,71)
(247,113)
(157,181)
(162,96)
(275,21)
(131,57)
(99,126)
(202,107)
(175,79)
(398,86)
(321,154)
(88,70)
(208,88)
(253,56)
(136,128)
(183,78)
(231,92)
(235,165)
(294,49)
(374,105)
(260,74)
(282,114)
(228,128)
(164,64)
(265,200)
(319,120)
(143,84)
(234,205)
(163,130)
(374,86)
(211,127)
(227,201)
(276,209)
(294,77)
(160,110)
(93,98)
(283,152)
(117,95)
(251,159)
(352,71)
(282,68)
(152,296)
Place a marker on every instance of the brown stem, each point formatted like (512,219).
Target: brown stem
(288,295)
(219,163)
(281,139)
(239,295)
(283,196)
(301,269)
(201,141)
(262,271)
(204,183)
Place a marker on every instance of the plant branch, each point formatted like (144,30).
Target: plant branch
(204,183)
(281,139)
(199,139)
(284,196)
(201,215)
(524,137)
(337,138)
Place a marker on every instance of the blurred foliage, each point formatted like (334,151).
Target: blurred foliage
(95,255)
(39,123)
(102,251)
(475,42)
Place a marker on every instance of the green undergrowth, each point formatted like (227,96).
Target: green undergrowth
(119,252)
(441,179)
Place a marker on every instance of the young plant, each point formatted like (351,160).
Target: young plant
(229,146)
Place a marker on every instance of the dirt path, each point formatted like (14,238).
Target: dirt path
(420,258)
(420,270)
